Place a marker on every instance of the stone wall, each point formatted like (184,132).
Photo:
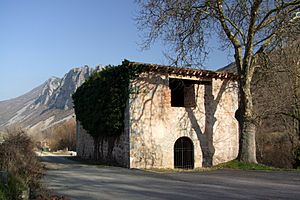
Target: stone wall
(112,150)
(155,125)
(84,143)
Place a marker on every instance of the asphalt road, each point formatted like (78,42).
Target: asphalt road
(79,181)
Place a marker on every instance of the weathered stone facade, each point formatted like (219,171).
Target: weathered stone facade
(155,125)
(113,150)
(206,117)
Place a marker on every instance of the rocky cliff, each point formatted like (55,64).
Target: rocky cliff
(46,105)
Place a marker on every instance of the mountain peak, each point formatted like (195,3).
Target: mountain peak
(62,99)
(49,103)
(53,78)
(49,87)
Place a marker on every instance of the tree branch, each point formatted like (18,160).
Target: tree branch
(283,6)
(251,32)
(235,42)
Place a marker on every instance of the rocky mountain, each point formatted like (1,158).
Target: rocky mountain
(45,105)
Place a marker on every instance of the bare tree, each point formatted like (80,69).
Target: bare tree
(275,89)
(62,136)
(250,27)
(286,60)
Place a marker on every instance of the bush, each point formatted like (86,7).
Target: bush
(18,158)
(3,192)
(14,189)
(297,158)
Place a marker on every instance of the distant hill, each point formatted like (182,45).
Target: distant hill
(46,105)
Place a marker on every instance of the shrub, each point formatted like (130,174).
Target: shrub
(18,158)
(3,192)
(297,158)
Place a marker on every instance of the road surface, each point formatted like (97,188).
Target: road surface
(89,182)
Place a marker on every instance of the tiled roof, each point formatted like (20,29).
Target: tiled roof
(185,72)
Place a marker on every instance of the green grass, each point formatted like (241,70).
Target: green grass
(3,192)
(13,190)
(235,164)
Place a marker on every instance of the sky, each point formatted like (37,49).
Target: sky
(44,38)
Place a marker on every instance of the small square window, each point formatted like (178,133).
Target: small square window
(182,93)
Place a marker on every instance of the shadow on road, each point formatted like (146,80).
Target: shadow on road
(58,159)
(73,178)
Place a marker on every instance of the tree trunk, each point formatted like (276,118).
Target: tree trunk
(96,148)
(247,150)
(298,128)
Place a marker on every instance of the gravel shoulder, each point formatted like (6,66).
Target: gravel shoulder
(80,181)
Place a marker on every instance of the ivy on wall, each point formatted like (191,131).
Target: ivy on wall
(100,102)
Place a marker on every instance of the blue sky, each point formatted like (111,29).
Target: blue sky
(44,38)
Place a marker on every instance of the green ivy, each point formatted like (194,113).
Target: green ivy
(297,158)
(100,102)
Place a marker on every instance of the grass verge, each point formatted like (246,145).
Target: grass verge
(235,164)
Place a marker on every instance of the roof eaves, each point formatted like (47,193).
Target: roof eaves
(185,71)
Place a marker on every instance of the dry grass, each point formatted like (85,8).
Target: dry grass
(17,157)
